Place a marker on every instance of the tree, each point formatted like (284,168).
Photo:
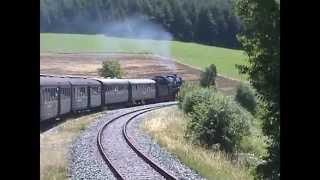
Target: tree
(261,41)
(206,31)
(246,98)
(110,69)
(208,77)
(208,22)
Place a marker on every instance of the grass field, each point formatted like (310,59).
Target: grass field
(195,55)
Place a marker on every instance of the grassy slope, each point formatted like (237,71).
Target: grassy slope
(167,127)
(196,55)
(54,147)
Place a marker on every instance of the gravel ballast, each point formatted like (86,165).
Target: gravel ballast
(85,161)
(158,154)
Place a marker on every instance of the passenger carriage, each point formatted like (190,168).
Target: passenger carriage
(60,95)
(114,91)
(54,97)
(86,94)
(142,90)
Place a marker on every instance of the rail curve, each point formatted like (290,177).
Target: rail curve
(145,158)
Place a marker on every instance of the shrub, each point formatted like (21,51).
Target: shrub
(246,98)
(215,119)
(194,97)
(208,77)
(110,69)
(185,88)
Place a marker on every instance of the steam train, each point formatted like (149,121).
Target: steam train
(63,95)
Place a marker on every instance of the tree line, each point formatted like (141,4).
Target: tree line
(210,22)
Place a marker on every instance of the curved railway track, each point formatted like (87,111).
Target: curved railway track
(122,155)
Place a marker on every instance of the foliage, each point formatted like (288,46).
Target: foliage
(209,22)
(194,97)
(246,97)
(184,89)
(215,120)
(261,41)
(208,77)
(167,127)
(255,143)
(110,69)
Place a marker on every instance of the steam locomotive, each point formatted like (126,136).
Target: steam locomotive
(62,95)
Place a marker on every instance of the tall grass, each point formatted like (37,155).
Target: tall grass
(54,147)
(167,127)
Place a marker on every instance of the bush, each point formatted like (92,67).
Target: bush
(246,98)
(215,119)
(110,69)
(208,77)
(184,89)
(194,97)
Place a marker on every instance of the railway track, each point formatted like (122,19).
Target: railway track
(122,155)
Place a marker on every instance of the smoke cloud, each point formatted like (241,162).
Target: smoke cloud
(137,27)
(146,31)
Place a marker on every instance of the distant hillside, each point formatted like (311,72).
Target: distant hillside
(193,54)
(209,22)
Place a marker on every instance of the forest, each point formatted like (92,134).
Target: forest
(210,22)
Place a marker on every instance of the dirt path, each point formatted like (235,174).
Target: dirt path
(136,65)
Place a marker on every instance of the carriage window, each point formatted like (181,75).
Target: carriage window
(67,92)
(64,92)
(77,92)
(82,91)
(55,94)
(45,94)
(51,94)
(95,90)
(45,97)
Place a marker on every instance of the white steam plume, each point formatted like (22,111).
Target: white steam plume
(141,28)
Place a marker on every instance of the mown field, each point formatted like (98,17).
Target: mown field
(195,55)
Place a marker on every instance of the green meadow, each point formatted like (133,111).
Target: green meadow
(192,54)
